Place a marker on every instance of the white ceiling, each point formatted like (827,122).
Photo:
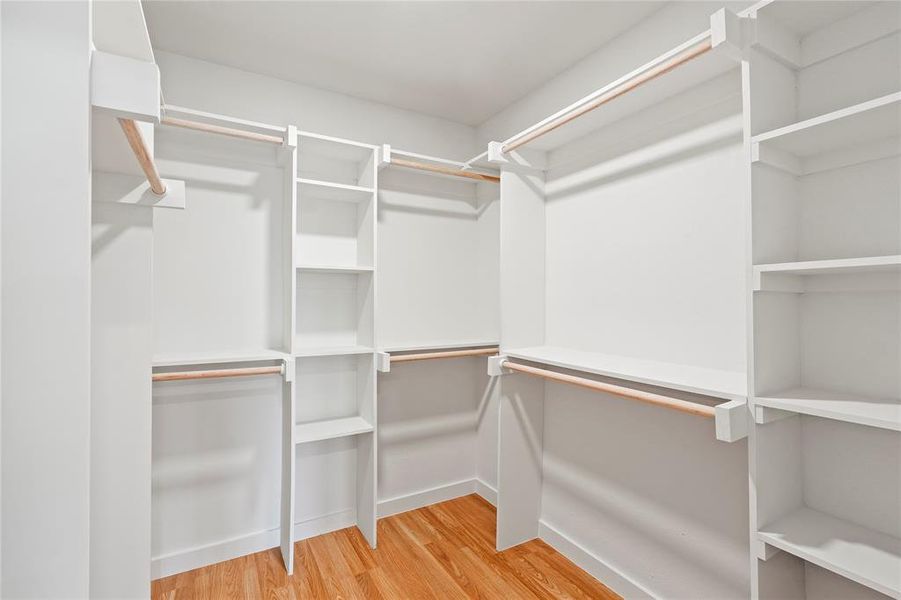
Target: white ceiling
(464,61)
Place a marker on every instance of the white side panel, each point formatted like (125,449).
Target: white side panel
(121,354)
(46,297)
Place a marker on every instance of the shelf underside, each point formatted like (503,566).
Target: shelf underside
(868,557)
(885,414)
(339,192)
(729,385)
(440,345)
(868,272)
(313,352)
(329,429)
(215,358)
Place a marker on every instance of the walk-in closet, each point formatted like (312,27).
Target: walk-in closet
(410,300)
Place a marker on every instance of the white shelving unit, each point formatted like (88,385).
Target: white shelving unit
(822,95)
(333,245)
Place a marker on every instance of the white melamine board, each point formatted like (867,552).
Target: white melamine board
(316,431)
(46,295)
(332,351)
(212,358)
(332,310)
(328,160)
(864,264)
(218,264)
(874,412)
(869,121)
(121,346)
(730,385)
(802,18)
(522,257)
(329,387)
(324,190)
(286,508)
(333,269)
(332,460)
(519,476)
(823,584)
(868,557)
(438,266)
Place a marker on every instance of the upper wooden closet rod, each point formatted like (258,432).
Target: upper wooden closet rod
(229,131)
(701,410)
(139,147)
(663,64)
(218,373)
(432,164)
(412,164)
(444,354)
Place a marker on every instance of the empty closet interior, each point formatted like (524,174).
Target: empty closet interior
(647,308)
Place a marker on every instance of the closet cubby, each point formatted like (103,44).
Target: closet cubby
(335,226)
(343,166)
(334,311)
(824,83)
(334,397)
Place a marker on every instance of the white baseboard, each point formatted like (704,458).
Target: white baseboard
(597,568)
(393,506)
(201,556)
(487,492)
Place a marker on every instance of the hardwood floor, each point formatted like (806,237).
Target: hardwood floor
(441,551)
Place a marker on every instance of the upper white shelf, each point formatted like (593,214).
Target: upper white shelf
(316,431)
(214,358)
(885,414)
(312,352)
(333,147)
(334,269)
(870,121)
(730,385)
(791,276)
(440,345)
(326,190)
(868,557)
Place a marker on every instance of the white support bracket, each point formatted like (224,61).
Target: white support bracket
(496,152)
(384,156)
(494,366)
(133,190)
(732,419)
(726,33)
(125,87)
(765,414)
(291,136)
(383,362)
(766,551)
(288,368)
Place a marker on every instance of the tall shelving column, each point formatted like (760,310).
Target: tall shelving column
(333,245)
(822,87)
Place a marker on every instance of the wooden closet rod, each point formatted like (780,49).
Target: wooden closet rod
(412,164)
(229,131)
(693,408)
(444,354)
(216,374)
(139,147)
(616,91)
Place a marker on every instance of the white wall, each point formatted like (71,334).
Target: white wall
(216,272)
(46,236)
(645,257)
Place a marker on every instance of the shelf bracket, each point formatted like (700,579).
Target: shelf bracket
(726,33)
(732,419)
(495,368)
(766,551)
(496,152)
(765,414)
(288,367)
(383,362)
(384,156)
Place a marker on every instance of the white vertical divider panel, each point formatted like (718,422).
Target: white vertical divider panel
(286,524)
(367,377)
(521,399)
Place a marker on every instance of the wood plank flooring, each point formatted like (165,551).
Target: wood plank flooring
(441,551)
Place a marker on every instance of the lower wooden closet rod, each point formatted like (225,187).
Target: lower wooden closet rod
(693,408)
(444,354)
(216,374)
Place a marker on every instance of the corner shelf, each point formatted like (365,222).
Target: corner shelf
(851,127)
(329,429)
(850,408)
(213,358)
(791,273)
(870,558)
(729,385)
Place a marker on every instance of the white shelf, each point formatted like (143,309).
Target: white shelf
(212,358)
(440,345)
(870,558)
(869,121)
(330,429)
(333,269)
(885,414)
(730,385)
(796,276)
(327,190)
(332,351)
